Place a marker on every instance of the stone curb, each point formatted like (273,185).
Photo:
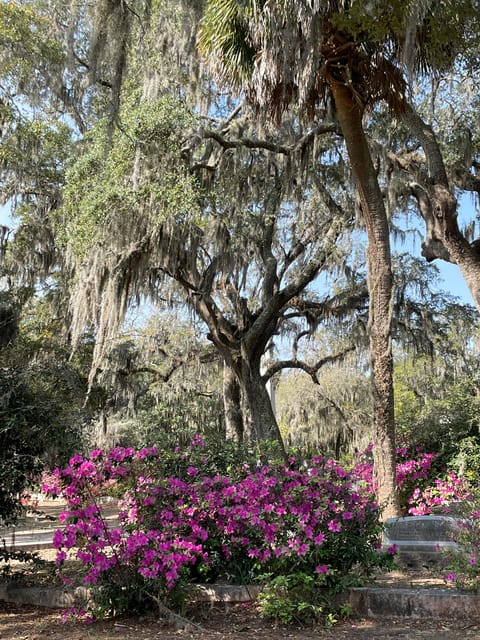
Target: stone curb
(52,597)
(369,602)
(64,597)
(414,603)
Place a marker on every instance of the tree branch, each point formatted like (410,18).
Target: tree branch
(312,370)
(296,285)
(268,145)
(425,135)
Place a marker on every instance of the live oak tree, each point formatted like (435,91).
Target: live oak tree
(431,167)
(239,244)
(144,214)
(351,55)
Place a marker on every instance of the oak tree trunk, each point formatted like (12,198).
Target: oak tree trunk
(232,403)
(264,424)
(438,207)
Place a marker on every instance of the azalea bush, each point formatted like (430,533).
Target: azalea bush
(199,525)
(439,495)
(462,564)
(423,486)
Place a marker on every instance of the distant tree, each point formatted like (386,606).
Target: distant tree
(163,380)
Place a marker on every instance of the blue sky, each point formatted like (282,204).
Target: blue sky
(454,282)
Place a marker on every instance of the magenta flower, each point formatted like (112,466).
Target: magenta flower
(334,526)
(319,538)
(322,569)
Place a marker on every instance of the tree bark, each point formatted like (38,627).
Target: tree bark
(264,423)
(380,282)
(232,405)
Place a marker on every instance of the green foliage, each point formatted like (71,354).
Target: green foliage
(295,599)
(225,31)
(436,31)
(439,413)
(465,460)
(125,592)
(41,406)
(23,439)
(138,169)
(28,51)
(166,381)
(31,563)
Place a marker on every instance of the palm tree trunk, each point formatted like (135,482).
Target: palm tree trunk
(381,294)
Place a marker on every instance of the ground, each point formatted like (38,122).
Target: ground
(239,622)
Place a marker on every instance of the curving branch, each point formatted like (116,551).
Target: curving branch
(311,370)
(269,145)
(438,207)
(205,357)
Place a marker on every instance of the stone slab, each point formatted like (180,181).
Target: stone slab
(57,597)
(53,597)
(420,539)
(432,528)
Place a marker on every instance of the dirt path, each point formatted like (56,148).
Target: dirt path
(36,623)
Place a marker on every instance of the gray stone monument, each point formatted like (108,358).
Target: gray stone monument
(419,540)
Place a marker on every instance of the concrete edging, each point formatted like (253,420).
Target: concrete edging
(369,602)
(414,603)
(52,597)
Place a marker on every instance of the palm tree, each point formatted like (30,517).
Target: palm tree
(313,54)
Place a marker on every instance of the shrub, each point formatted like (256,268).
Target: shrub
(175,529)
(421,489)
(439,495)
(463,564)
(294,598)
